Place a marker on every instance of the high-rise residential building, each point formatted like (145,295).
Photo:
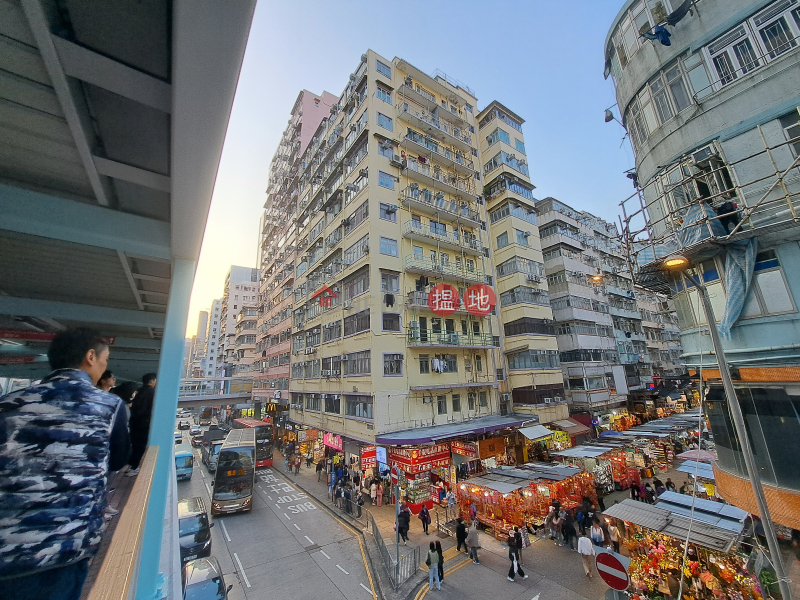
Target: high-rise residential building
(530,350)
(213,330)
(238,313)
(714,123)
(196,367)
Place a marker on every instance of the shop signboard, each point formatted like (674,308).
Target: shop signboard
(380,455)
(368,457)
(307,435)
(332,441)
(420,460)
(465,449)
(453,475)
(491,447)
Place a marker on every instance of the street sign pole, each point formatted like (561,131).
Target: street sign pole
(397,531)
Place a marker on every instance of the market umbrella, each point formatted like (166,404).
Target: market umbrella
(609,433)
(699,455)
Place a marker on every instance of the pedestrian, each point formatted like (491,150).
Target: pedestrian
(359,504)
(558,521)
(107,381)
(403,523)
(356,478)
(634,492)
(425,516)
(433,567)
(649,494)
(518,543)
(126,391)
(339,474)
(473,544)
(329,465)
(670,485)
(548,523)
(684,487)
(71,434)
(642,492)
(461,535)
(339,496)
(332,485)
(308,460)
(320,468)
(286,463)
(441,560)
(568,530)
(515,568)
(373,492)
(587,552)
(348,497)
(660,488)
(613,536)
(141,413)
(297,462)
(451,504)
(600,503)
(473,512)
(379,493)
(596,533)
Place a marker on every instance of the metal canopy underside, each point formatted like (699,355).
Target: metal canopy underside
(111,130)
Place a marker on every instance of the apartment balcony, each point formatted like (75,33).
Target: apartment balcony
(560,238)
(629,336)
(437,205)
(571,313)
(632,358)
(628,313)
(419,301)
(426,266)
(428,122)
(435,178)
(452,239)
(428,147)
(432,338)
(577,341)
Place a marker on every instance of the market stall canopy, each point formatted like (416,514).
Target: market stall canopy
(609,433)
(582,452)
(702,469)
(722,515)
(536,432)
(698,455)
(539,470)
(436,433)
(572,427)
(504,485)
(676,525)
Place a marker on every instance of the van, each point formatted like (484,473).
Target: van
(184,461)
(194,529)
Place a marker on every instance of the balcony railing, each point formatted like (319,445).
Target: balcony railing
(440,203)
(430,119)
(416,263)
(463,184)
(433,337)
(420,300)
(441,150)
(453,238)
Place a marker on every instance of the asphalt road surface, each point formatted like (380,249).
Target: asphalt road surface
(285,547)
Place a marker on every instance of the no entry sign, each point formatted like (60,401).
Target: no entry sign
(395,476)
(612,571)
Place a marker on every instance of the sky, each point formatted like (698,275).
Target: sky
(535,57)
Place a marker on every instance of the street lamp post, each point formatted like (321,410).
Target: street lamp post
(681,263)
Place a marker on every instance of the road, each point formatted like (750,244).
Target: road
(285,541)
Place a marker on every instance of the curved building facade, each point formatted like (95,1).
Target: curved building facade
(713,120)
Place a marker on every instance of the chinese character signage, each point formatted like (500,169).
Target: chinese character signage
(307,435)
(479,300)
(332,441)
(443,299)
(465,449)
(420,460)
(368,457)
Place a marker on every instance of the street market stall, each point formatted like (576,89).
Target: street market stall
(415,466)
(608,466)
(653,535)
(522,495)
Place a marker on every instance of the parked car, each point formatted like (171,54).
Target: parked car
(197,441)
(195,430)
(183,425)
(203,580)
(194,529)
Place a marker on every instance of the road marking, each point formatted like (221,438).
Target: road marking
(287,516)
(209,491)
(278,507)
(225,529)
(241,569)
(262,489)
(325,555)
(296,526)
(365,587)
(270,497)
(424,589)
(536,597)
(201,473)
(310,541)
(342,570)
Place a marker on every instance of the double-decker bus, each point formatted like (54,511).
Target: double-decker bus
(265,434)
(203,417)
(235,477)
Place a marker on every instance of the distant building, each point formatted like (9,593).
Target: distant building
(236,346)
(213,332)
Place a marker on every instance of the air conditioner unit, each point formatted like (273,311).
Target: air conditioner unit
(396,161)
(363,172)
(299,325)
(427,399)
(558,399)
(336,373)
(534,278)
(353,127)
(343,357)
(392,208)
(703,155)
(326,372)
(505,397)
(347,305)
(365,249)
(548,400)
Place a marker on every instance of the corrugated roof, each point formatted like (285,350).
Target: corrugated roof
(536,432)
(703,469)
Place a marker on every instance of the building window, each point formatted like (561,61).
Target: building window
(385,180)
(471,399)
(479,363)
(468,108)
(357,363)
(356,284)
(502,240)
(424,364)
(356,323)
(385,122)
(522,237)
(359,215)
(386,148)
(313,402)
(456,403)
(358,406)
(520,146)
(392,365)
(333,404)
(331,331)
(389,247)
(390,282)
(534,359)
(777,37)
(391,322)
(770,294)
(483,399)
(357,251)
(498,135)
(441,404)
(384,94)
(387,212)
(383,69)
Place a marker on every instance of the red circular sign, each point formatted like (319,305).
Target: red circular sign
(479,300)
(395,476)
(612,571)
(443,299)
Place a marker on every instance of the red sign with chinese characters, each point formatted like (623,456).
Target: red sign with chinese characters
(419,460)
(479,300)
(325,296)
(368,457)
(465,449)
(443,299)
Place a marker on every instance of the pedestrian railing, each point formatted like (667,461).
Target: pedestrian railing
(353,510)
(446,520)
(401,568)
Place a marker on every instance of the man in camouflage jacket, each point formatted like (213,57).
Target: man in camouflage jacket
(58,441)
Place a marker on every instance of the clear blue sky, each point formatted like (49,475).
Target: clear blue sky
(542,59)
